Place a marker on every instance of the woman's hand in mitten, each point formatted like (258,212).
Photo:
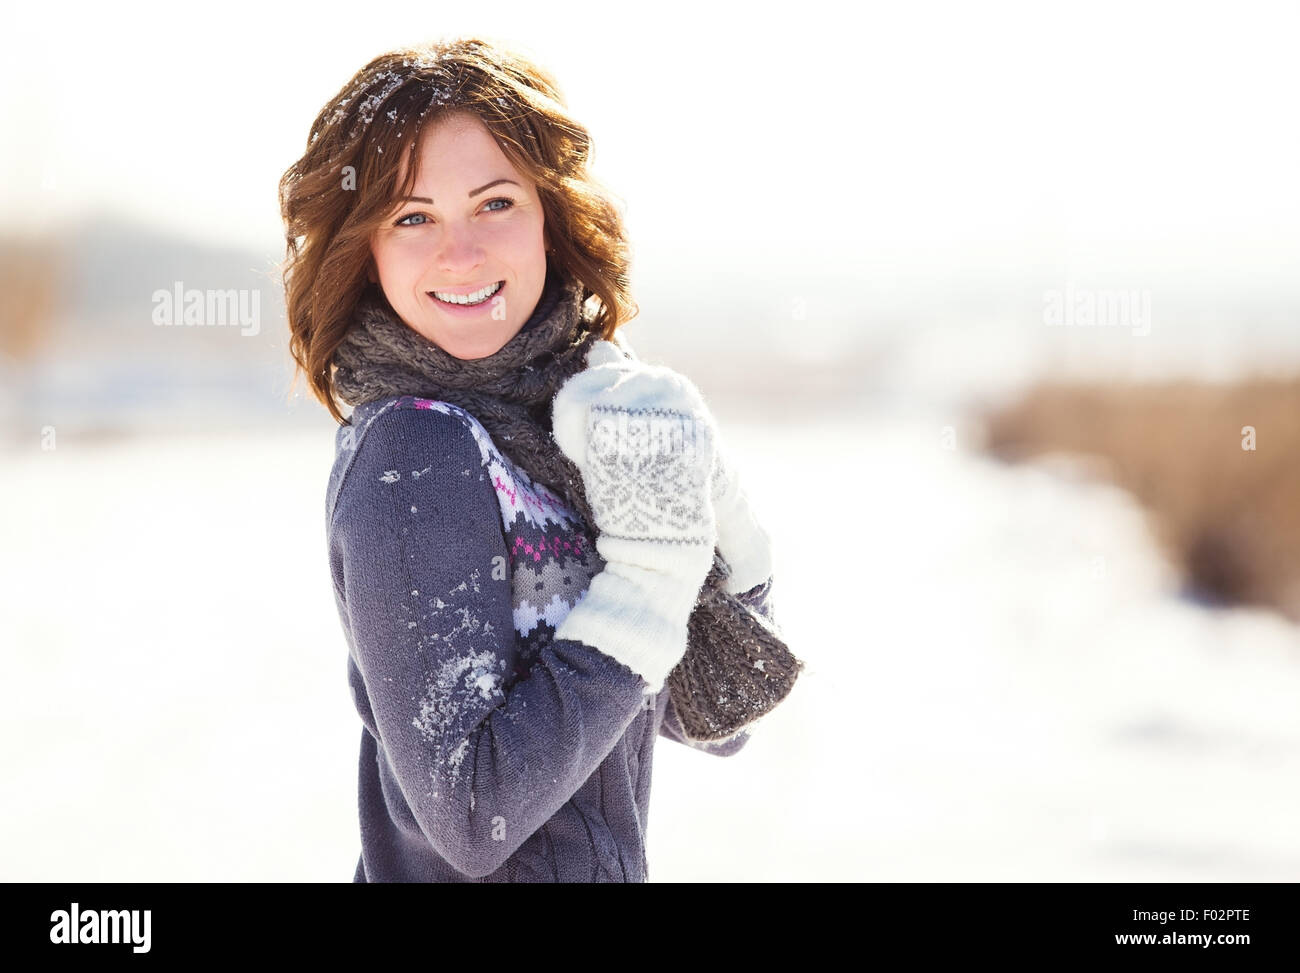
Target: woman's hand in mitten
(742,540)
(642,439)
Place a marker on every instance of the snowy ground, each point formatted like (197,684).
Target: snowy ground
(1002,683)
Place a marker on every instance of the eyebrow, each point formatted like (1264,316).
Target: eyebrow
(473,193)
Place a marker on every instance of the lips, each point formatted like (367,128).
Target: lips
(488,295)
(462,291)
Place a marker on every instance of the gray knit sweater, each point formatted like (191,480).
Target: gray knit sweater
(491,751)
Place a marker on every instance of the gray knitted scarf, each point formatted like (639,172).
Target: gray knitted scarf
(716,687)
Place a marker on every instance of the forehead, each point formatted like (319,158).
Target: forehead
(459,138)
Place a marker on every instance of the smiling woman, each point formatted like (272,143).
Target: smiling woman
(525,614)
(465,272)
(394,194)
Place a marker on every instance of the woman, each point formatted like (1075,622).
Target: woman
(521,516)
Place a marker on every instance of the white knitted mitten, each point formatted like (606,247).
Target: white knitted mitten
(742,541)
(642,439)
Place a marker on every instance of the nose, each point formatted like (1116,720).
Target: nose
(459,250)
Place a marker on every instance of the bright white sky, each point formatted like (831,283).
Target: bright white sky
(903,139)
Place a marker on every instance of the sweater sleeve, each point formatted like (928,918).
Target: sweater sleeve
(427,588)
(760,599)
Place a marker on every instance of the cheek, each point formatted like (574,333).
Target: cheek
(396,259)
(525,238)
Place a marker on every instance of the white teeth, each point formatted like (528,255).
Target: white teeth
(476,298)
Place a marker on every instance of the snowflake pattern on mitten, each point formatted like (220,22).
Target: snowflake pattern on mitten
(645,476)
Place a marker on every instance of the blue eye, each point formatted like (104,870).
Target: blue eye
(500,199)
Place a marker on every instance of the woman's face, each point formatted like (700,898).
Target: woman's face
(463,229)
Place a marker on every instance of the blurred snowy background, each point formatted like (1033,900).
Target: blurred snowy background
(1007,678)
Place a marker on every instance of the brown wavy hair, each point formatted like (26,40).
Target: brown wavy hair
(375,121)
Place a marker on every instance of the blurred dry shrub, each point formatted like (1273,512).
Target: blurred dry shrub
(1227,515)
(31,278)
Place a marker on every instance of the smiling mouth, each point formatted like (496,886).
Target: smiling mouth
(481,296)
